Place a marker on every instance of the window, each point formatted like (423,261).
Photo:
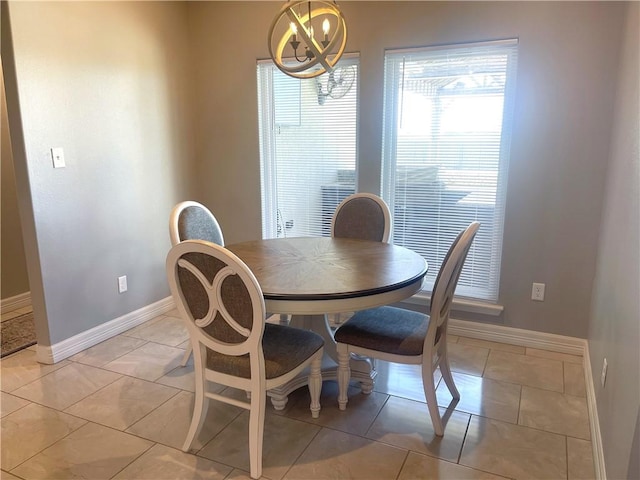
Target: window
(446,135)
(307,147)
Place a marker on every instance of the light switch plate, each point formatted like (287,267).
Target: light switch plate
(57,155)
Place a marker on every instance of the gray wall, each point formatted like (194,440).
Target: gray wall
(614,327)
(567,70)
(13,264)
(108,82)
(119,106)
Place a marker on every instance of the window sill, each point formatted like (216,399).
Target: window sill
(459,305)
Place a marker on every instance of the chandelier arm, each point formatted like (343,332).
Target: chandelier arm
(318,52)
(309,41)
(302,31)
(335,37)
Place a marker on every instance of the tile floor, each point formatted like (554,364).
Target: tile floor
(121,410)
(15,313)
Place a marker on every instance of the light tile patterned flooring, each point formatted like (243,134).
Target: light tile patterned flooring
(121,410)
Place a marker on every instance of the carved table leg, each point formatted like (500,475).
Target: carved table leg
(362,368)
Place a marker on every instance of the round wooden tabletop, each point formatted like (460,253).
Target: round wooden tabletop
(325,268)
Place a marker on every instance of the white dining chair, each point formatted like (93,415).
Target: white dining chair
(190,220)
(222,305)
(404,336)
(364,216)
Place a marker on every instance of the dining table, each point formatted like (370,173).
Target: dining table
(308,278)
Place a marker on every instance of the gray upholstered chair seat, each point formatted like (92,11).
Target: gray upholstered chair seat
(284,348)
(386,329)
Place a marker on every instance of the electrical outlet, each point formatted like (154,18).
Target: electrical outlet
(537,292)
(603,376)
(122,284)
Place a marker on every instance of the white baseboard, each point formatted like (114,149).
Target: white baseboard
(93,336)
(518,336)
(16,302)
(596,438)
(551,342)
(460,304)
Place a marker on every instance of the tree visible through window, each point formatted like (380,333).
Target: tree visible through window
(307,148)
(446,141)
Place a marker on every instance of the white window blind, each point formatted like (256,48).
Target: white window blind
(307,147)
(447,124)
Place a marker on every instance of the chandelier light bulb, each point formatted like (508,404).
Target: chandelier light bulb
(326,25)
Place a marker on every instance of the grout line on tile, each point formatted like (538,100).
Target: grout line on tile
(464,439)
(115,358)
(404,462)
(484,366)
(377,415)
(538,429)
(52,443)
(566,453)
(64,410)
(304,449)
(519,406)
(153,444)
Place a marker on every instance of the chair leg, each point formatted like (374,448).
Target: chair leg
(445,370)
(187,354)
(256,432)
(315,384)
(432,402)
(200,408)
(344,374)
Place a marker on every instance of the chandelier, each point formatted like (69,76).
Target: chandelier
(307,38)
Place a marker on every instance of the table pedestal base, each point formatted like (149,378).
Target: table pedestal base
(362,368)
